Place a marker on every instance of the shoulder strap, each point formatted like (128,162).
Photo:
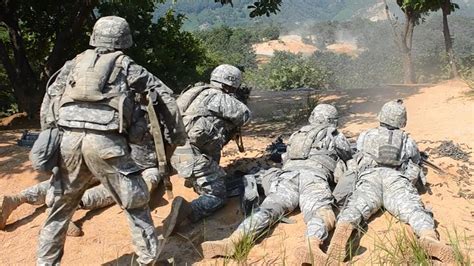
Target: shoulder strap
(185,100)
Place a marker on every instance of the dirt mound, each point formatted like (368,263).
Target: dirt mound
(350,49)
(18,121)
(435,114)
(289,43)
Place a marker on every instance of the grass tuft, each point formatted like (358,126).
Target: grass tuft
(457,242)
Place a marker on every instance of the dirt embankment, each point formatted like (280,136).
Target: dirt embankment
(435,114)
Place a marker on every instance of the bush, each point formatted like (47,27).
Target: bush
(287,71)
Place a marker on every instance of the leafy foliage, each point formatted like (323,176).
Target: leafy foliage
(289,71)
(53,31)
(229,46)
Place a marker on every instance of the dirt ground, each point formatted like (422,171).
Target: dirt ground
(435,114)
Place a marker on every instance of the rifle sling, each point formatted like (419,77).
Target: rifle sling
(157,138)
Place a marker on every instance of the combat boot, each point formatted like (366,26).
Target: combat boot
(310,252)
(180,210)
(434,248)
(337,248)
(224,247)
(73,230)
(7,205)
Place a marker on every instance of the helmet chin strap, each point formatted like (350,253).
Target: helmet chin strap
(388,126)
(228,89)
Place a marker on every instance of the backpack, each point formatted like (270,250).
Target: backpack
(44,154)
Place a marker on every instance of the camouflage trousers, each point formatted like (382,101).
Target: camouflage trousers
(304,188)
(202,170)
(388,188)
(94,198)
(85,154)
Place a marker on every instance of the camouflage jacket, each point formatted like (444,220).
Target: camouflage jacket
(131,78)
(212,116)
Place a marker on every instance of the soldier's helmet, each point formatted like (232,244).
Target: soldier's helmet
(393,114)
(226,74)
(324,113)
(111,32)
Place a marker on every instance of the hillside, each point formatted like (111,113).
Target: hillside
(437,113)
(203,14)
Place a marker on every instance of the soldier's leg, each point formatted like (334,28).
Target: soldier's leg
(152,178)
(365,201)
(99,197)
(209,183)
(402,200)
(108,158)
(74,181)
(283,198)
(34,195)
(315,204)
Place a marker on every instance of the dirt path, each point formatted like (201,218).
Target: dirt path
(436,114)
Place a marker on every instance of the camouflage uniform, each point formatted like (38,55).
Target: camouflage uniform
(94,198)
(388,187)
(92,111)
(388,167)
(211,116)
(308,166)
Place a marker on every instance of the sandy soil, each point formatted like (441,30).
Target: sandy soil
(289,43)
(348,48)
(295,44)
(436,113)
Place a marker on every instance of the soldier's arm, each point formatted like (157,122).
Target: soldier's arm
(142,81)
(229,108)
(56,89)
(360,140)
(412,151)
(412,158)
(343,147)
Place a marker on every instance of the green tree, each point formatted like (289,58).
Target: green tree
(42,35)
(447,7)
(229,46)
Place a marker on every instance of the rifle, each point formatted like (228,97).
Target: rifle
(239,141)
(155,130)
(425,161)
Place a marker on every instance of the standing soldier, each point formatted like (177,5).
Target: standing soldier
(92,102)
(387,171)
(212,117)
(303,181)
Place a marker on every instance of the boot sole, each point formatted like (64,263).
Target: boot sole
(3,220)
(169,225)
(73,230)
(442,252)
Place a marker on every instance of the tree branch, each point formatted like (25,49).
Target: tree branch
(79,15)
(398,40)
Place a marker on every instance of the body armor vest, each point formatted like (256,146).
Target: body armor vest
(385,147)
(308,143)
(197,118)
(90,99)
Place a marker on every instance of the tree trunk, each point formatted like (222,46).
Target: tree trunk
(403,40)
(448,42)
(409,76)
(408,69)
(19,71)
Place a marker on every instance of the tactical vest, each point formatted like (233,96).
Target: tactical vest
(306,143)
(198,120)
(187,97)
(385,147)
(91,100)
